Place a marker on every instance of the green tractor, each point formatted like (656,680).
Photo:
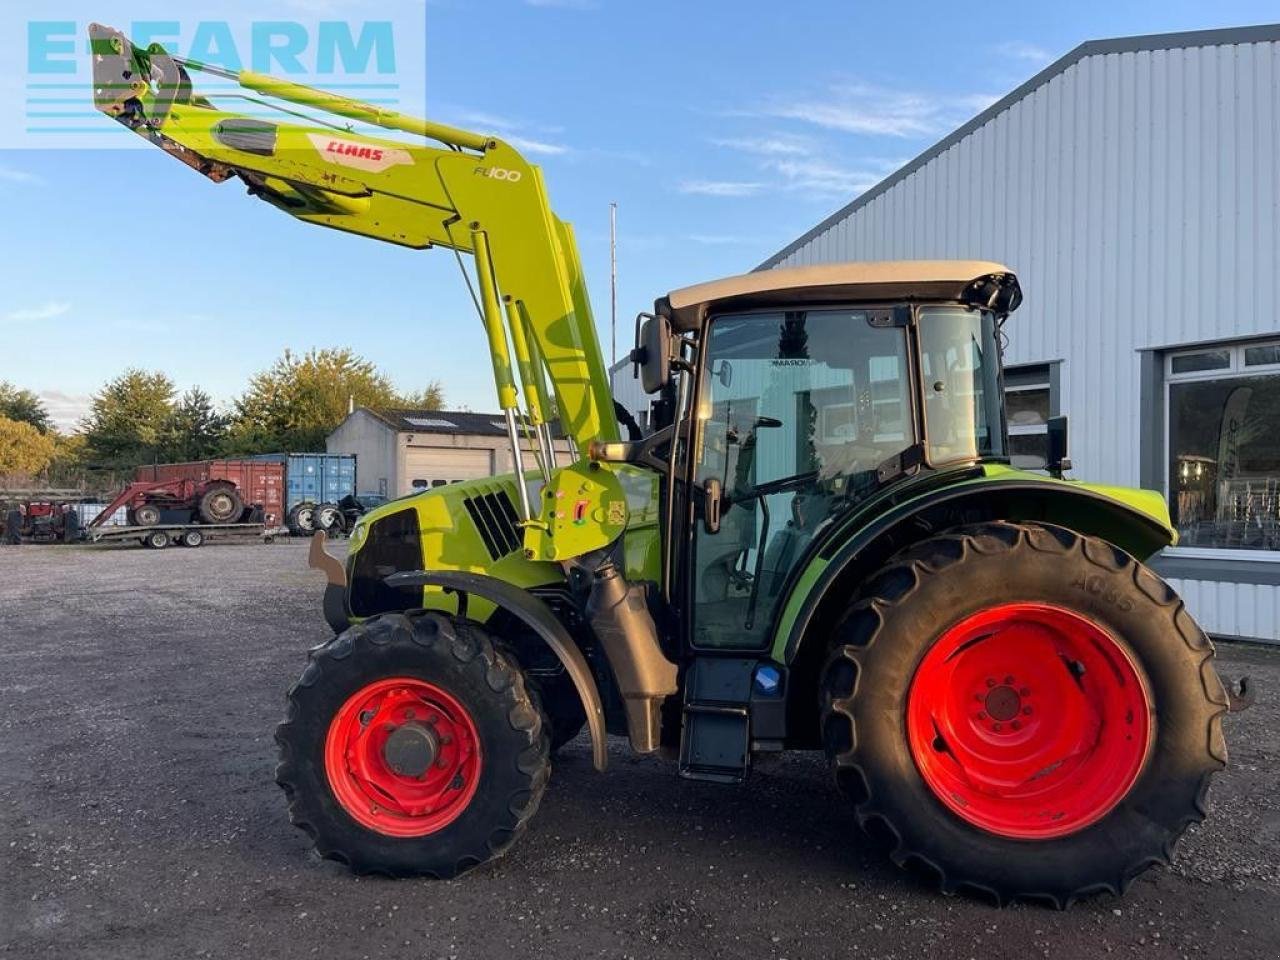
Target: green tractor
(819,543)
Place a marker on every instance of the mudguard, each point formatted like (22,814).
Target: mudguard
(1133,523)
(538,617)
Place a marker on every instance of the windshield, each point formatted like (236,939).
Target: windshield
(960,359)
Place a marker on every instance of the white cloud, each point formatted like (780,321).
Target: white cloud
(805,165)
(772,146)
(871,110)
(720,239)
(826,179)
(538,147)
(66,410)
(14,175)
(720,188)
(526,137)
(1021,50)
(49,310)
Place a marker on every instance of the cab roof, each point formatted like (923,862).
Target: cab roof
(975,282)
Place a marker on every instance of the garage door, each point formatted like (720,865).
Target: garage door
(427,467)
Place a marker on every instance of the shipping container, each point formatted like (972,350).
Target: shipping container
(315,478)
(260,482)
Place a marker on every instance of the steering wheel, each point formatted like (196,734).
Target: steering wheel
(769,488)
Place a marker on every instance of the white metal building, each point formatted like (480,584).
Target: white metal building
(1134,186)
(399,452)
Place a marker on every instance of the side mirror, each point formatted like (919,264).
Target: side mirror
(1057,459)
(712,497)
(653,354)
(724,373)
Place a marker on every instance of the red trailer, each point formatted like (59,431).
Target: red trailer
(257,484)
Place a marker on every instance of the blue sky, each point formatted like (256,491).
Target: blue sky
(722,129)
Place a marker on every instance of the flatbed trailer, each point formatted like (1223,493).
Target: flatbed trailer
(159,536)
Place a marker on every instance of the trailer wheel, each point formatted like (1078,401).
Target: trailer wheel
(221,504)
(192,538)
(329,519)
(412,747)
(156,540)
(301,520)
(1023,712)
(147,515)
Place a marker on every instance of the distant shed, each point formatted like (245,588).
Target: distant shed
(401,451)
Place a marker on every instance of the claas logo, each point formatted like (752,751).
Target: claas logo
(347,149)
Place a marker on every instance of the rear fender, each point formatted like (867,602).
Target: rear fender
(1137,524)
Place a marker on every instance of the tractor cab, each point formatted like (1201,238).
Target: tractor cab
(815,389)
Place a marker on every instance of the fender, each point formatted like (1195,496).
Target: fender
(538,617)
(1068,504)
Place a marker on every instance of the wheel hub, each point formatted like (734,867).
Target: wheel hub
(411,750)
(1003,703)
(1028,721)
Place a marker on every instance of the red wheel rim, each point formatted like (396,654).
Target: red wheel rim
(1028,721)
(403,757)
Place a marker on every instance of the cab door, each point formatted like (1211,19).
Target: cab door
(795,411)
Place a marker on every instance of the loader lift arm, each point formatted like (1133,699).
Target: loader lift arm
(473,194)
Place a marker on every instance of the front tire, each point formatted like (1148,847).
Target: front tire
(1023,712)
(412,747)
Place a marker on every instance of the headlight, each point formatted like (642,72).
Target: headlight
(358,533)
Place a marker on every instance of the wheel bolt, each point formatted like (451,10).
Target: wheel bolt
(1008,679)
(1016,725)
(990,682)
(982,716)
(997,727)
(1024,691)
(1026,711)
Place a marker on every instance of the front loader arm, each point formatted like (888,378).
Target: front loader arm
(474,194)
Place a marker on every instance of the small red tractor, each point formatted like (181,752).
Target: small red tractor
(150,502)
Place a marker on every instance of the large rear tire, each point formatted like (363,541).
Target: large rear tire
(412,747)
(221,504)
(1023,712)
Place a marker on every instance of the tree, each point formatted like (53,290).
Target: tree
(195,431)
(24,450)
(70,454)
(430,397)
(23,406)
(128,422)
(298,402)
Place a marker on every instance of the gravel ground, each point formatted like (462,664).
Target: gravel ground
(138,817)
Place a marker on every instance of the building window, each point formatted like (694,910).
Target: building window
(1223,443)
(1031,398)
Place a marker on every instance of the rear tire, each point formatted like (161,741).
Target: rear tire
(221,504)
(927,766)
(341,786)
(157,540)
(192,538)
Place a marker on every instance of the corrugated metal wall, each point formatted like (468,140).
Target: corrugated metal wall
(1136,196)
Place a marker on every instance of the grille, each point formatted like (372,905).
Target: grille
(495,518)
